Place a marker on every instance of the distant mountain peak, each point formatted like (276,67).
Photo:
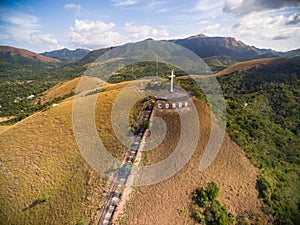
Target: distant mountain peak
(67,55)
(197,36)
(205,47)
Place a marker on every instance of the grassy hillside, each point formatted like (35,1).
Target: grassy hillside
(44,179)
(263,118)
(58,91)
(257,63)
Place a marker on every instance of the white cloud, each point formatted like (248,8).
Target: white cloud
(41,38)
(125,2)
(137,33)
(293,19)
(211,29)
(154,6)
(157,4)
(21,29)
(72,6)
(286,35)
(93,34)
(208,5)
(203,10)
(20,20)
(266,26)
(250,6)
(98,34)
(203,22)
(162,10)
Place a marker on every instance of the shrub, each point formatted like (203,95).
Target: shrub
(44,198)
(263,188)
(81,222)
(212,191)
(206,209)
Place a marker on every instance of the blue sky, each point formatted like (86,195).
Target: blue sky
(47,25)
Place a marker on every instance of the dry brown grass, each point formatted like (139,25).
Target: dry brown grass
(168,202)
(103,119)
(243,66)
(39,156)
(3,128)
(59,90)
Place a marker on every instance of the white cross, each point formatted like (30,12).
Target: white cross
(172,76)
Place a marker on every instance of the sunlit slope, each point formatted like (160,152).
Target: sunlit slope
(39,159)
(39,156)
(244,66)
(65,88)
(61,89)
(44,179)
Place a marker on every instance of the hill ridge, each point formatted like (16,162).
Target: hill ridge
(27,54)
(243,66)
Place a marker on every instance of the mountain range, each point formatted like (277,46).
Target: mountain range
(221,49)
(217,52)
